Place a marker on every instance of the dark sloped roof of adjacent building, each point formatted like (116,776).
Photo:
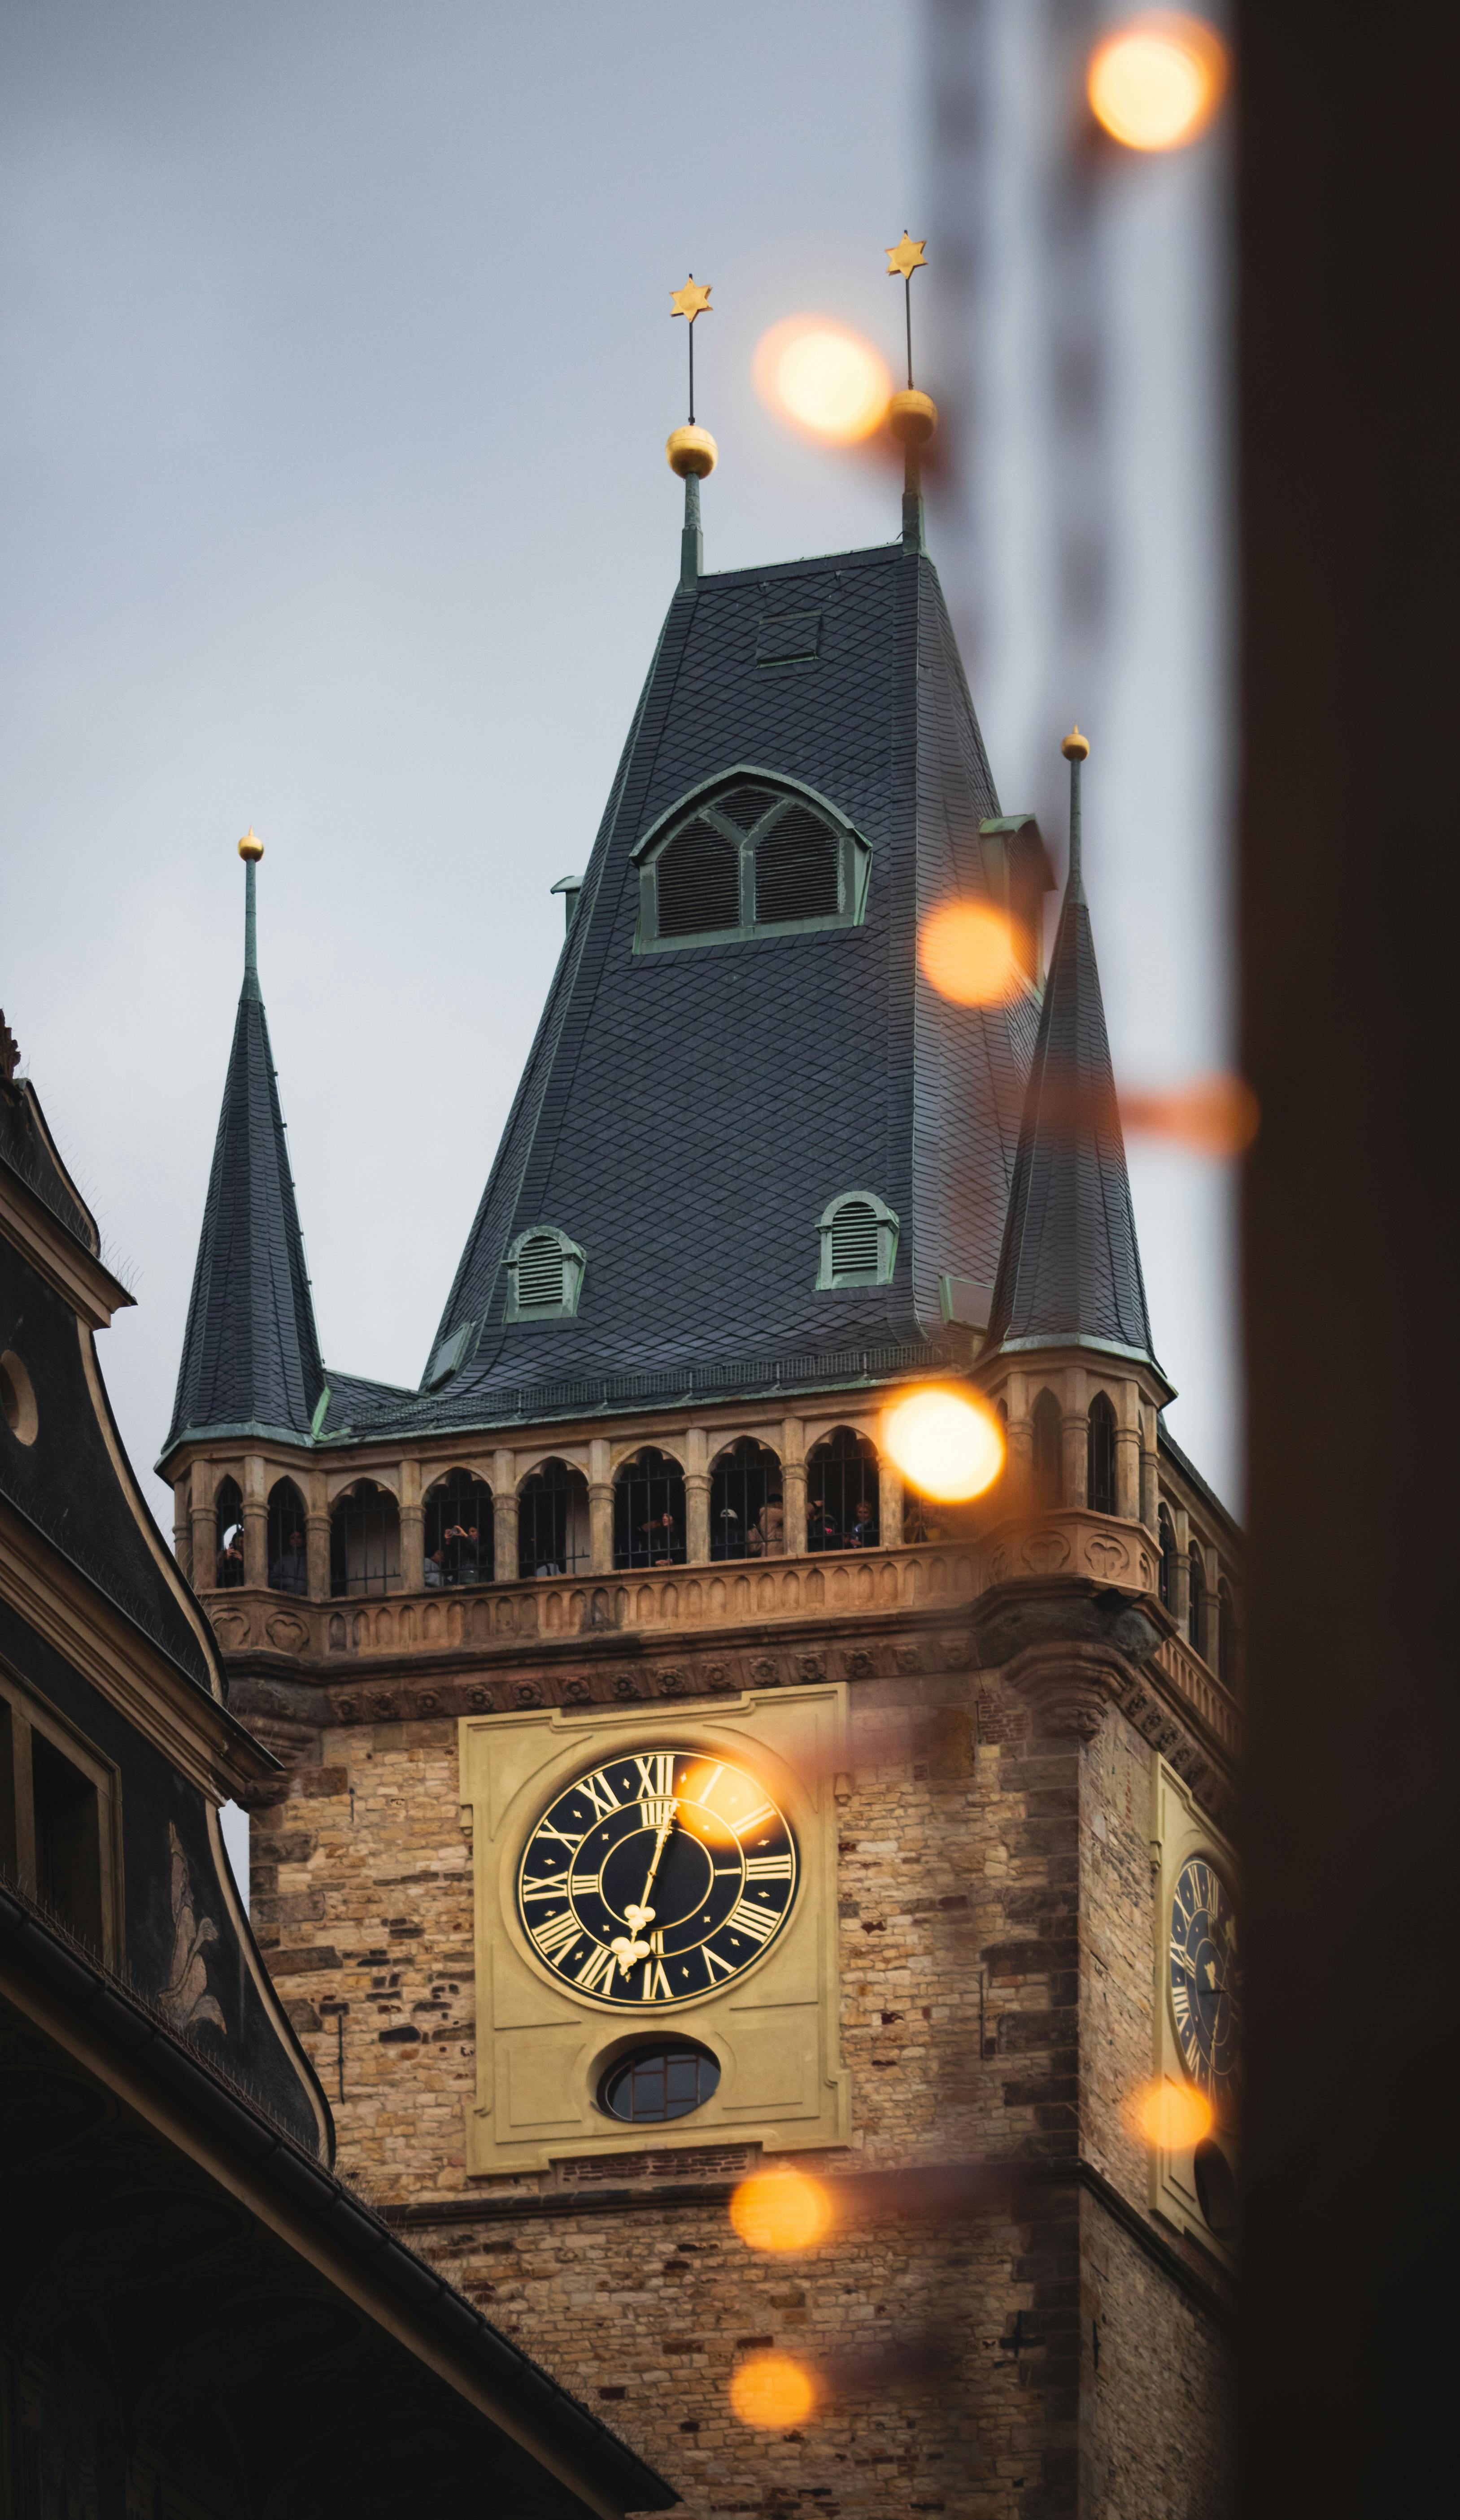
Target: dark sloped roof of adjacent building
(1069,1271)
(251,1361)
(686,1117)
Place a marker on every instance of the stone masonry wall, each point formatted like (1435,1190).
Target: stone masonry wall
(950,2343)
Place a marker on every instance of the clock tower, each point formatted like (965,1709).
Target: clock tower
(671,1795)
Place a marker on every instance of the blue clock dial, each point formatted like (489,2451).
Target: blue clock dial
(1205,1982)
(657,1879)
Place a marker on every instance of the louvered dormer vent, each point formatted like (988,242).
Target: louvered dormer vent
(858,1241)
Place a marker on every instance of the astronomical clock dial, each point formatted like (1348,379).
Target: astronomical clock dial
(655,1878)
(1205,1981)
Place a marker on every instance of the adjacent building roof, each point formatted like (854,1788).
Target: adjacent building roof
(1070,1270)
(251,1361)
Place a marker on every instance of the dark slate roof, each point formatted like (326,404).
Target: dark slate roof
(1069,1271)
(686,1117)
(251,1361)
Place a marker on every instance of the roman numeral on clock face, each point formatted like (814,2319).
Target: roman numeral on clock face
(754,1820)
(655,1986)
(553,1937)
(597,1971)
(759,1923)
(552,1888)
(599,1794)
(768,1867)
(657,1772)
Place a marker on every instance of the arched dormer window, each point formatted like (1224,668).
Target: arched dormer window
(1167,1535)
(1099,1458)
(749,856)
(859,1241)
(1048,1441)
(544,1275)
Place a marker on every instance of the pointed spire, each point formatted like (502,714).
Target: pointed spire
(690,451)
(1070,1270)
(251,1361)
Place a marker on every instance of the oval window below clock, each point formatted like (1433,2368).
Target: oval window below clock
(653,2083)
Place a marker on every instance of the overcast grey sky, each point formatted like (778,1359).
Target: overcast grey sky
(337,372)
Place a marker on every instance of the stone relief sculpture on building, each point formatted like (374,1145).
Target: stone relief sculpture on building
(185,1998)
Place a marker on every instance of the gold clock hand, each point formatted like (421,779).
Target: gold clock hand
(645,1912)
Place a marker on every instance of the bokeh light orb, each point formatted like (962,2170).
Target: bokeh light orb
(1172,2116)
(1157,81)
(827,381)
(968,951)
(1212,1115)
(947,1444)
(772,2392)
(780,2209)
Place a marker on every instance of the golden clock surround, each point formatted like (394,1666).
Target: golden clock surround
(774,2031)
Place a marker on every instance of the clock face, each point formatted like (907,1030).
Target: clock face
(657,1879)
(1206,1980)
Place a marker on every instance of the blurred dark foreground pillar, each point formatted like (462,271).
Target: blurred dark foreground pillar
(1350,700)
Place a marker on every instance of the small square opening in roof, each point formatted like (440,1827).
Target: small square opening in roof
(788,638)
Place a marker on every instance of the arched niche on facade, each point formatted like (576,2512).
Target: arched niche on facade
(459,1539)
(553,1534)
(844,1479)
(287,1527)
(365,1541)
(747,1512)
(649,1509)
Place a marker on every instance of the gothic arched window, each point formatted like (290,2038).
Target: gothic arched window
(648,1512)
(1100,1457)
(842,1492)
(1165,1531)
(288,1571)
(552,1521)
(1048,1441)
(460,1543)
(749,856)
(365,1541)
(228,1533)
(746,1515)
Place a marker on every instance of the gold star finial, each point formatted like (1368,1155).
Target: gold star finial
(692,299)
(904,260)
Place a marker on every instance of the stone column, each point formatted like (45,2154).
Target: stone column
(504,1516)
(1128,1453)
(204,1522)
(317,1535)
(255,1520)
(182,1527)
(1180,1602)
(1205,1638)
(1021,1434)
(600,1506)
(793,1484)
(412,1529)
(1150,1475)
(1075,1431)
(890,1504)
(696,1498)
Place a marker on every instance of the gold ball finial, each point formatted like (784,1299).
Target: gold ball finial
(912,417)
(251,847)
(691,450)
(1075,746)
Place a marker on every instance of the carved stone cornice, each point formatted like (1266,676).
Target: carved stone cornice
(1069,1686)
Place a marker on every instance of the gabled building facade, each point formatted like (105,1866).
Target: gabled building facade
(198,2320)
(666,1791)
